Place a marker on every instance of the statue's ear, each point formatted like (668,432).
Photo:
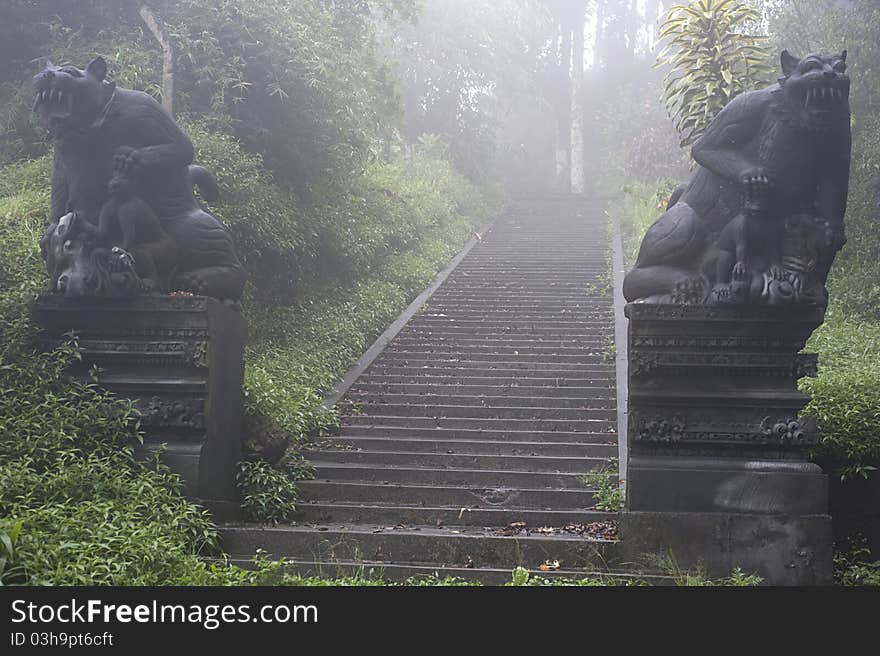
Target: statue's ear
(97,68)
(789,62)
(843,55)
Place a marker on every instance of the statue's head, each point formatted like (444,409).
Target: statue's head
(78,267)
(67,96)
(816,89)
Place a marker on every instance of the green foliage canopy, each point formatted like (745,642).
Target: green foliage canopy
(713,57)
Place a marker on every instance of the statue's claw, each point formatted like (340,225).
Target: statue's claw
(740,271)
(122,260)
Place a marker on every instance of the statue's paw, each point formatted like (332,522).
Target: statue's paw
(721,294)
(149,286)
(689,291)
(190,282)
(778,273)
(121,260)
(740,271)
(121,158)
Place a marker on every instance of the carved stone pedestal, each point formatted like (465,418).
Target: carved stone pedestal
(717,469)
(180,359)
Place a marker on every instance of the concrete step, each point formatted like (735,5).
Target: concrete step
(539,425)
(477,447)
(486,356)
(536,462)
(494,432)
(361,472)
(439,546)
(456,396)
(415,572)
(499,378)
(513,390)
(453,332)
(527,345)
(411,407)
(477,368)
(462,496)
(451,516)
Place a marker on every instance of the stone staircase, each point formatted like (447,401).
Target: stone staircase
(464,444)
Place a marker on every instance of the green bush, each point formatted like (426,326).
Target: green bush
(846,393)
(89,514)
(641,203)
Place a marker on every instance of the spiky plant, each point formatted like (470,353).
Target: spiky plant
(714,55)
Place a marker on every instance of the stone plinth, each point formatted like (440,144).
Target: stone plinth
(180,359)
(717,453)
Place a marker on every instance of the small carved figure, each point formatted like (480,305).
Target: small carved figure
(127,221)
(79,267)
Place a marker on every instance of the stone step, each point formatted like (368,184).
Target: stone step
(395,354)
(453,329)
(533,462)
(453,333)
(439,546)
(483,368)
(447,495)
(538,425)
(496,447)
(512,391)
(372,398)
(557,325)
(426,572)
(586,353)
(379,514)
(510,341)
(494,378)
(362,472)
(502,413)
(499,433)
(414,572)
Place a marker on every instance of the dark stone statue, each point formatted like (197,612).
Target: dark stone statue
(761,219)
(124,220)
(727,289)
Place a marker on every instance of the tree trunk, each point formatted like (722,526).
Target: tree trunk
(563,111)
(577,107)
(149,18)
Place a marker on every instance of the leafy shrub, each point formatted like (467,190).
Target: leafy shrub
(608,493)
(713,59)
(642,203)
(846,393)
(89,514)
(856,568)
(268,494)
(11,569)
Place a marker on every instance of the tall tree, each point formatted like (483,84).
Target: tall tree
(149,17)
(577,106)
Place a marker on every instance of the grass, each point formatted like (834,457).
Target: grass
(608,493)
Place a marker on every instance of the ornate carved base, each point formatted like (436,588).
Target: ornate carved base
(714,431)
(180,359)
